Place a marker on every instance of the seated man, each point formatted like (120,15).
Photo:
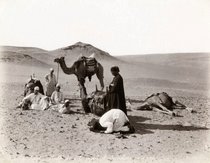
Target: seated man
(57,95)
(36,100)
(114,120)
(62,108)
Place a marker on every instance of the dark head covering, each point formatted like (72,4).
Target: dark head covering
(115,69)
(95,125)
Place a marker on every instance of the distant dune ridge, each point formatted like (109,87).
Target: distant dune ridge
(71,53)
(176,68)
(198,60)
(82,49)
(20,57)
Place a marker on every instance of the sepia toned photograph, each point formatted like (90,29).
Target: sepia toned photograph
(104,81)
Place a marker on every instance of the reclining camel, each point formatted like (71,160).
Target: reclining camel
(31,84)
(162,102)
(97,102)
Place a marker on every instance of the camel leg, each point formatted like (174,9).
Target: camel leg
(83,92)
(83,96)
(100,76)
(101,83)
(180,105)
(183,107)
(165,109)
(160,111)
(143,106)
(177,104)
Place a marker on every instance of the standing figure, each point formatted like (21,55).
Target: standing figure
(116,95)
(50,83)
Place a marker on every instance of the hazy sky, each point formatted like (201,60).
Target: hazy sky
(116,26)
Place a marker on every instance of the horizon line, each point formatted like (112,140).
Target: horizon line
(186,52)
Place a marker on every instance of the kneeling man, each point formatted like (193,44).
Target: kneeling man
(114,120)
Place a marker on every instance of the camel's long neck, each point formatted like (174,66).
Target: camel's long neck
(67,70)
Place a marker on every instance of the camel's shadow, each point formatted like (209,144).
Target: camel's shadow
(76,112)
(145,128)
(171,127)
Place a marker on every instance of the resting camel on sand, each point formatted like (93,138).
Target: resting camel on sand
(162,102)
(31,84)
(97,102)
(82,68)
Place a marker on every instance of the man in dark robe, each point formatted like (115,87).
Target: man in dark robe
(116,95)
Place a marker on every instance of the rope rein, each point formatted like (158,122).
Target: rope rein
(58,73)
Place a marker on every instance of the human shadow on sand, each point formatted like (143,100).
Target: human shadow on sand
(145,128)
(139,129)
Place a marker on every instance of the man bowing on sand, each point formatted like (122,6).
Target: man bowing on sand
(114,120)
(116,95)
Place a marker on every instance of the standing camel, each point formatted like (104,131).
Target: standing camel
(82,69)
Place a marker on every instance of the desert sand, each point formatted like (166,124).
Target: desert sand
(47,136)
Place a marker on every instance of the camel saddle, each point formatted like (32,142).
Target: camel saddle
(90,63)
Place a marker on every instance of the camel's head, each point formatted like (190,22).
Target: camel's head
(59,60)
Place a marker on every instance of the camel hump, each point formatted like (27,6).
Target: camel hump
(162,98)
(166,99)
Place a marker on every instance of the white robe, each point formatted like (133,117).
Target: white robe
(50,84)
(114,120)
(61,108)
(38,101)
(57,97)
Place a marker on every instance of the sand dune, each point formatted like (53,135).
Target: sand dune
(13,57)
(79,48)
